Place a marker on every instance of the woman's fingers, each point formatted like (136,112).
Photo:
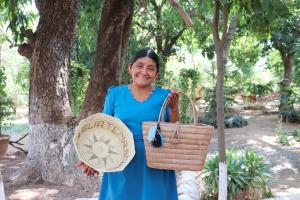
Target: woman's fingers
(87,170)
(173,99)
(80,164)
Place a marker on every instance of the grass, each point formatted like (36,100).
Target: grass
(17,126)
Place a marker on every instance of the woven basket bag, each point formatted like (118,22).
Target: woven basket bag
(185,145)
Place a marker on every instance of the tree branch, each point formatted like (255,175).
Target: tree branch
(186,18)
(162,3)
(26,49)
(225,23)
(173,40)
(215,23)
(153,2)
(229,36)
(146,28)
(158,40)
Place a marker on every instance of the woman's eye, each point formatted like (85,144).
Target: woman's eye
(151,69)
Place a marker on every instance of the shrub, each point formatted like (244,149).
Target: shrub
(291,116)
(229,122)
(296,135)
(282,136)
(284,139)
(245,172)
(6,103)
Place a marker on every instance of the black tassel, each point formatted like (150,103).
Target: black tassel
(157,141)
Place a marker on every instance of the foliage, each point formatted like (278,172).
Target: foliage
(275,63)
(258,89)
(291,116)
(85,38)
(284,139)
(188,81)
(210,97)
(286,34)
(23,77)
(244,172)
(296,134)
(229,122)
(79,82)
(290,96)
(5,103)
(282,135)
(16,17)
(17,75)
(83,50)
(244,53)
(157,25)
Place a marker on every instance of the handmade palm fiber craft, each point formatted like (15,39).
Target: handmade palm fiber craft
(185,145)
(104,143)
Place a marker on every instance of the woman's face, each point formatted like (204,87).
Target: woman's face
(143,71)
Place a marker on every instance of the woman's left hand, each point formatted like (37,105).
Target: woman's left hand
(173,99)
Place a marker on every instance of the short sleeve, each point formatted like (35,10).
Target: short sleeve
(108,107)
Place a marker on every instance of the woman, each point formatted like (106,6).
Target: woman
(133,104)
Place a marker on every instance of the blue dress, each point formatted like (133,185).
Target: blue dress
(137,181)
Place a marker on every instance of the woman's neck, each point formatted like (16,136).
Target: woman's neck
(141,90)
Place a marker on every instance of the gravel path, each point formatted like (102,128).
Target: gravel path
(260,135)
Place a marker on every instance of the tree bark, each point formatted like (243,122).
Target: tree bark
(51,155)
(112,41)
(286,82)
(288,68)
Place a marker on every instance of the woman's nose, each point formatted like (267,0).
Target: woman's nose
(145,70)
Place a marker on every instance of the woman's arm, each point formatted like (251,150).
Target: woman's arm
(174,115)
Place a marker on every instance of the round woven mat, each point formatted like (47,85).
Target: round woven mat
(104,143)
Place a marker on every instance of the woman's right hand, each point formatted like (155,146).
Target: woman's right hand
(89,171)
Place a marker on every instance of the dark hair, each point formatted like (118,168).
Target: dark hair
(147,53)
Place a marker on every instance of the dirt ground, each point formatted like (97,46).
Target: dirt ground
(259,135)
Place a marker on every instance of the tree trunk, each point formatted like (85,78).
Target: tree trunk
(113,36)
(222,46)
(51,155)
(286,82)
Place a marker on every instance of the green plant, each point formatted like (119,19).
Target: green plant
(290,95)
(79,83)
(296,135)
(229,122)
(284,139)
(245,172)
(188,80)
(210,97)
(291,116)
(260,89)
(6,103)
(282,136)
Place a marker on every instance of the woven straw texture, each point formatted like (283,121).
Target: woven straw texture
(185,146)
(104,143)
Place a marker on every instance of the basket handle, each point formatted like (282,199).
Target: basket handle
(164,105)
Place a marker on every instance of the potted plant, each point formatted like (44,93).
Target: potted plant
(5,106)
(247,176)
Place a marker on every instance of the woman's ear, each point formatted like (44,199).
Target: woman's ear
(129,68)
